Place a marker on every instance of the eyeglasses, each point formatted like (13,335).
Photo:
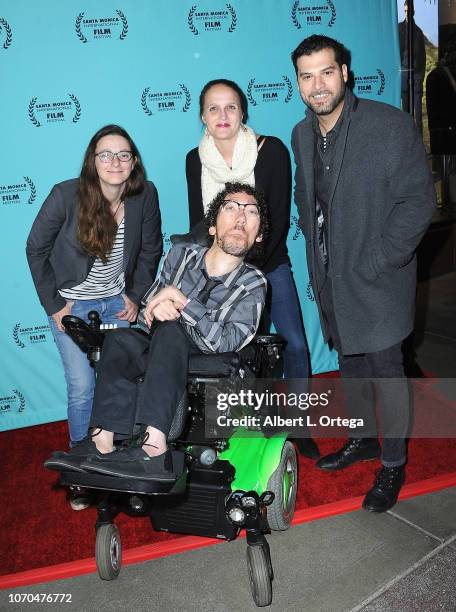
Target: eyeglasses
(107,157)
(233,208)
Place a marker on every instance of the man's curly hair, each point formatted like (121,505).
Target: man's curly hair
(256,252)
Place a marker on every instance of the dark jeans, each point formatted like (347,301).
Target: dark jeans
(391,392)
(126,355)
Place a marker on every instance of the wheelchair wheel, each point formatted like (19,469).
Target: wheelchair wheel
(108,551)
(283,483)
(259,575)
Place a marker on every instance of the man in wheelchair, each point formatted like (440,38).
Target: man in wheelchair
(205,300)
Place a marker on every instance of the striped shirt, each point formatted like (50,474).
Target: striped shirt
(103,280)
(230,318)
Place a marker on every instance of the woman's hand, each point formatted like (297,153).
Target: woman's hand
(130,312)
(57,316)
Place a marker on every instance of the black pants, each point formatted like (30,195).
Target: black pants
(128,354)
(391,391)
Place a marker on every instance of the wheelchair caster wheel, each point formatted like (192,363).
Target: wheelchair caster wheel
(260,570)
(283,483)
(108,552)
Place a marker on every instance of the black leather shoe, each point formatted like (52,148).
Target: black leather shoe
(355,449)
(307,447)
(384,493)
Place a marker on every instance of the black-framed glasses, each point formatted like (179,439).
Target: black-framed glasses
(232,208)
(106,157)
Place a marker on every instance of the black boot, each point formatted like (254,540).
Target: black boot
(384,493)
(355,449)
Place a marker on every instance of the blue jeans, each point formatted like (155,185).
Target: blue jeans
(79,375)
(285,312)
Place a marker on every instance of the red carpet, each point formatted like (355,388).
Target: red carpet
(39,529)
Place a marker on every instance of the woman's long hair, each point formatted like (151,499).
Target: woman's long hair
(97,227)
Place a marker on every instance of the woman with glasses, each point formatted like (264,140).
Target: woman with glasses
(230,151)
(95,245)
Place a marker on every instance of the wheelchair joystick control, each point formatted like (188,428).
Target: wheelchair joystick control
(94,319)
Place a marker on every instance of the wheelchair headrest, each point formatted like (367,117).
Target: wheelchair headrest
(197,235)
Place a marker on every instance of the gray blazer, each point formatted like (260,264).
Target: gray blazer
(381,203)
(57,260)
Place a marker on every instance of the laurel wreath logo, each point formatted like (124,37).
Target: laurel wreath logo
(9,34)
(21,399)
(31,112)
(16,338)
(124,32)
(298,230)
(188,98)
(233,18)
(31,184)
(144,106)
(332,21)
(309,292)
(190,20)
(294,19)
(290,89)
(382,82)
(77,106)
(77,27)
(250,97)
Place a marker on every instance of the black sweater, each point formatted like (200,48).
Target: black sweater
(273,176)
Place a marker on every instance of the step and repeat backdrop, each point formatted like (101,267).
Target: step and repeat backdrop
(68,68)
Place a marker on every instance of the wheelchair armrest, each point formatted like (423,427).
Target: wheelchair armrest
(214,365)
(260,356)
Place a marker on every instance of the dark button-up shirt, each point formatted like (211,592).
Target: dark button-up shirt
(230,316)
(324,154)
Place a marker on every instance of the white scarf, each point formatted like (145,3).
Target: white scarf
(215,171)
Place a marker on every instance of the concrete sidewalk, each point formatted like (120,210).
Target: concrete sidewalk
(404,560)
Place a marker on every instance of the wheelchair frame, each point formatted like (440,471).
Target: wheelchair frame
(248,481)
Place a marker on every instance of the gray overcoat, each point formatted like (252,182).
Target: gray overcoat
(382,200)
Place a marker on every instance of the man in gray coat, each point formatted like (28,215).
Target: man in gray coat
(365,197)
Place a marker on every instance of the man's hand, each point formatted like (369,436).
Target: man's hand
(165,305)
(130,311)
(57,316)
(165,311)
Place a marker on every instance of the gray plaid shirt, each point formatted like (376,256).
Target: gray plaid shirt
(232,314)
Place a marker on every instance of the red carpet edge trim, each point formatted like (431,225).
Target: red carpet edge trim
(186,543)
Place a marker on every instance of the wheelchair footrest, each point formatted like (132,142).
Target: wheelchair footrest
(173,484)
